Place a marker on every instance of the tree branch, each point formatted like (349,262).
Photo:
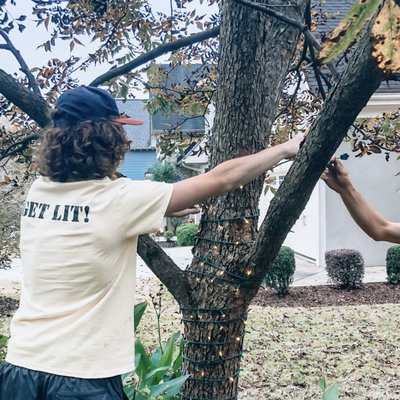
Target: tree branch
(18,147)
(31,103)
(164,268)
(326,133)
(151,55)
(298,24)
(24,67)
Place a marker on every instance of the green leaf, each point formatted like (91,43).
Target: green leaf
(177,365)
(331,393)
(144,365)
(349,29)
(156,375)
(3,340)
(138,313)
(170,388)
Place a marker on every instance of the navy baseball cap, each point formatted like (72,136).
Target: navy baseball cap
(87,103)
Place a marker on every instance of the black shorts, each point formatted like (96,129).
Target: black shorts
(17,383)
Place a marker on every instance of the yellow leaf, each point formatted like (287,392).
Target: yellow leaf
(349,29)
(386,36)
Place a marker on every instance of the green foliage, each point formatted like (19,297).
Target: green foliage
(186,233)
(330,392)
(345,267)
(3,347)
(164,172)
(157,375)
(168,235)
(393,264)
(280,275)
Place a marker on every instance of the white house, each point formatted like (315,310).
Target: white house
(325,224)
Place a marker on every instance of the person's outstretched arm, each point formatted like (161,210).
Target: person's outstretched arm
(229,175)
(367,218)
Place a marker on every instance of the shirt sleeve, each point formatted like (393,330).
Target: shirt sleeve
(143,205)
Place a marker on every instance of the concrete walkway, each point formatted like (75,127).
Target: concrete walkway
(307,274)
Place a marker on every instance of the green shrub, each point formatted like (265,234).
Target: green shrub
(186,233)
(280,275)
(164,172)
(168,235)
(345,268)
(157,375)
(393,264)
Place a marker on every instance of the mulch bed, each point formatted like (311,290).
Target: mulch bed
(299,296)
(320,296)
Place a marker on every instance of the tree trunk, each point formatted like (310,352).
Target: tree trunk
(255,54)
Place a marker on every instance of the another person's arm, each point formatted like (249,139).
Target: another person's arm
(229,175)
(368,219)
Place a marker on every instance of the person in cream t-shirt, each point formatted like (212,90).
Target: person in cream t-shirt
(72,336)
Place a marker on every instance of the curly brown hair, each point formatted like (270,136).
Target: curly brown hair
(87,150)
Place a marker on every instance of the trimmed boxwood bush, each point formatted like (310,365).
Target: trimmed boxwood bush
(345,268)
(168,235)
(186,233)
(280,275)
(393,264)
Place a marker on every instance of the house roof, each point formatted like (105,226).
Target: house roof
(330,13)
(140,135)
(183,73)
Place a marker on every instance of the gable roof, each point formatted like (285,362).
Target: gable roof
(139,135)
(178,76)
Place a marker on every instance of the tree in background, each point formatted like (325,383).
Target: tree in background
(261,44)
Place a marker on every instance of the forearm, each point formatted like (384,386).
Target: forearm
(239,171)
(366,217)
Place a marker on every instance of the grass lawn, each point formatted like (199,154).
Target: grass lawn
(288,349)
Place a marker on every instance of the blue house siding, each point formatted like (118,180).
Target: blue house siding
(137,163)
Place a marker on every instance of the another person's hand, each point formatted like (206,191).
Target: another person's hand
(336,176)
(292,146)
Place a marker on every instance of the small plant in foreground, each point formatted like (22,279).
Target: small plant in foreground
(186,233)
(280,275)
(330,392)
(345,268)
(393,264)
(156,376)
(3,347)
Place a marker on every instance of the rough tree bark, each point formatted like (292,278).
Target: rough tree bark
(255,53)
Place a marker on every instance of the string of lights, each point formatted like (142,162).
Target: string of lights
(223,271)
(206,310)
(237,243)
(213,380)
(243,218)
(212,321)
(213,362)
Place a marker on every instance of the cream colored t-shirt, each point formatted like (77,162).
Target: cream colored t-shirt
(78,251)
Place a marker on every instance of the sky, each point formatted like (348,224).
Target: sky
(27,42)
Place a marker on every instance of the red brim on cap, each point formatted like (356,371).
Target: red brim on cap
(129,121)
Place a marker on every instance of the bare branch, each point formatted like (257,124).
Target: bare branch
(302,27)
(164,268)
(32,104)
(151,55)
(24,66)
(18,147)
(266,10)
